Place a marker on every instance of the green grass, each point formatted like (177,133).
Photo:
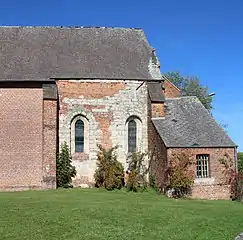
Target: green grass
(97,214)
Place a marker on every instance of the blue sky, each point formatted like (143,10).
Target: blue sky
(202,38)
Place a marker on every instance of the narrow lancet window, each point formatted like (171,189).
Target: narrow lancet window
(132,136)
(79,136)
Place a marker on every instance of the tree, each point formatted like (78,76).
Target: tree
(136,172)
(110,172)
(232,177)
(190,86)
(240,161)
(180,175)
(65,170)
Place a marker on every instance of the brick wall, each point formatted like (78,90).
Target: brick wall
(158,110)
(170,90)
(157,152)
(106,105)
(20,138)
(214,187)
(49,143)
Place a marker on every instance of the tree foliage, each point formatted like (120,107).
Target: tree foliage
(137,172)
(190,86)
(65,171)
(240,161)
(234,179)
(110,172)
(229,170)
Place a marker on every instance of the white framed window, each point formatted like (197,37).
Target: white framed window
(79,135)
(202,165)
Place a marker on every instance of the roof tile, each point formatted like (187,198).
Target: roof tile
(188,123)
(46,52)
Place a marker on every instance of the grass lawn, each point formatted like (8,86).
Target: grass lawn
(97,214)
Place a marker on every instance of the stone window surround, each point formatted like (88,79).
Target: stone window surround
(86,133)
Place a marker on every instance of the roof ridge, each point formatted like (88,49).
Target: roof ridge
(92,52)
(74,27)
(167,79)
(176,98)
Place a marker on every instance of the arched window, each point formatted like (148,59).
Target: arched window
(132,136)
(79,136)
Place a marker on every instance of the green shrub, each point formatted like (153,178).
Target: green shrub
(180,175)
(232,177)
(110,172)
(239,187)
(240,161)
(65,171)
(152,181)
(137,172)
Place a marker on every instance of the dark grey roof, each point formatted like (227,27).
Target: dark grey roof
(188,123)
(67,52)
(156,92)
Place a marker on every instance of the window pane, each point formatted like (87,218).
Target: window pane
(79,136)
(132,136)
(202,166)
(199,169)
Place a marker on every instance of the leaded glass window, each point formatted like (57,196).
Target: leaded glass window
(132,136)
(79,136)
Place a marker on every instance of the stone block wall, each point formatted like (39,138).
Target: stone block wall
(215,186)
(106,105)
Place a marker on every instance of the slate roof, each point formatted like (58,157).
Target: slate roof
(156,92)
(188,123)
(36,53)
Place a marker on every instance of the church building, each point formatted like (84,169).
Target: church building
(87,86)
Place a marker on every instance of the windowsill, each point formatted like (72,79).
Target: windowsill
(202,181)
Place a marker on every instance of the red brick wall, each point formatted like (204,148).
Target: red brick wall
(170,90)
(158,110)
(21,138)
(214,187)
(157,153)
(49,143)
(86,90)
(90,90)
